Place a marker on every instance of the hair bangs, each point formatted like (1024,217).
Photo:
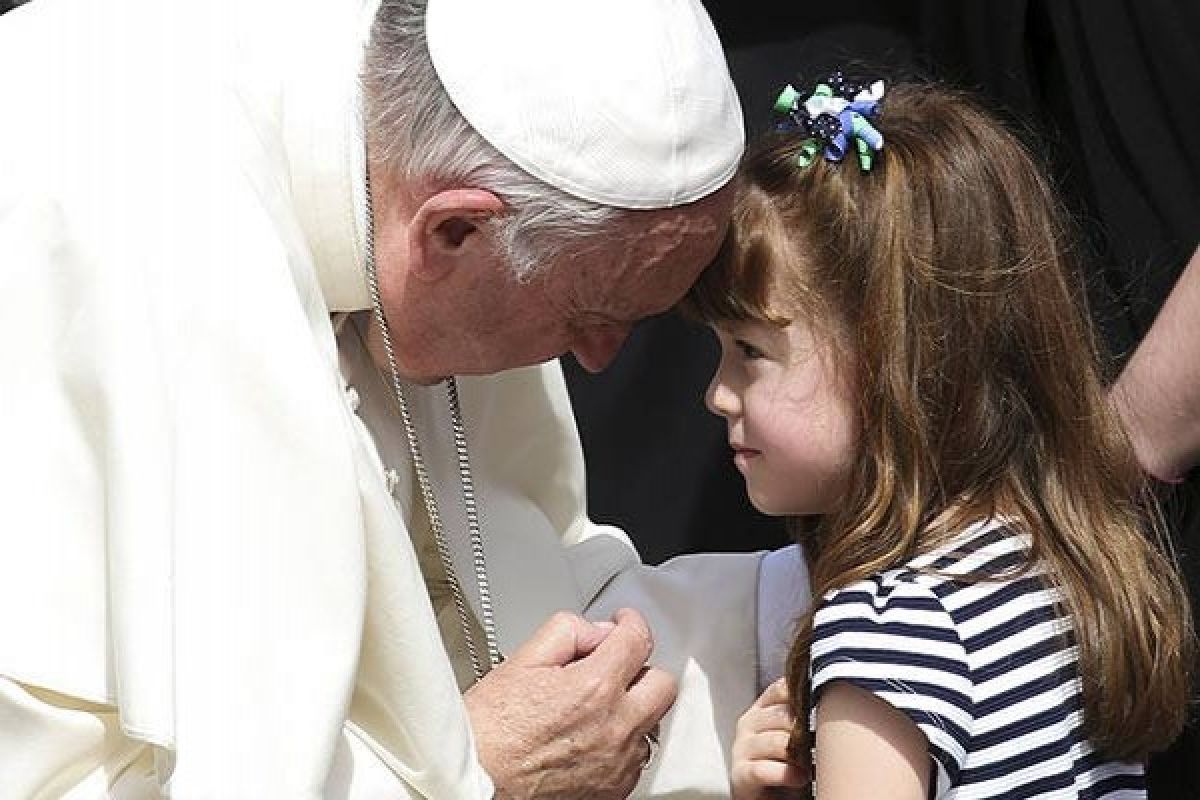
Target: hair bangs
(741,282)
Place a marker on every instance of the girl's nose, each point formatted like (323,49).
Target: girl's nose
(720,397)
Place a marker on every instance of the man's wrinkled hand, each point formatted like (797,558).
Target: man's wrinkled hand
(566,715)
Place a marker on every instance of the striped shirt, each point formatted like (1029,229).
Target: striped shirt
(985,669)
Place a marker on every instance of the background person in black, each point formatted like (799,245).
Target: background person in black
(1110,89)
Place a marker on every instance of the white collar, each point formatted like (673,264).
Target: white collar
(326,154)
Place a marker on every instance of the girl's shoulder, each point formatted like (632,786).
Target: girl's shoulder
(980,578)
(990,549)
(953,639)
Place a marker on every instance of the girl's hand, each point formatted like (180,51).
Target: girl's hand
(761,770)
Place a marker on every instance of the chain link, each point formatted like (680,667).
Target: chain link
(474,529)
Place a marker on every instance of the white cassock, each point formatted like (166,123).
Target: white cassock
(206,589)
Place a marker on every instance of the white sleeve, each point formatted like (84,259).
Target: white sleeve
(721,624)
(701,611)
(358,772)
(56,746)
(784,593)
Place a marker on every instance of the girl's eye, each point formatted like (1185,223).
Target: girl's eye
(748,350)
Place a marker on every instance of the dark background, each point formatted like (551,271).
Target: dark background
(1107,92)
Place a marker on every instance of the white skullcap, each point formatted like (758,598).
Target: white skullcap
(626,103)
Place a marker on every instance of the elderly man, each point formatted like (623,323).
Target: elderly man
(254,544)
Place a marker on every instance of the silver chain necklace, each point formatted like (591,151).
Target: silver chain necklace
(488,622)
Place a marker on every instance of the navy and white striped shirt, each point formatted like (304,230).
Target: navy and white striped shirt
(985,669)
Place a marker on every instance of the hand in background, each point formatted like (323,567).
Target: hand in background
(565,716)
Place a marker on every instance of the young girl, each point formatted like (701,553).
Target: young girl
(906,364)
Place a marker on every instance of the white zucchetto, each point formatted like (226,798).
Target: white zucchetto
(626,103)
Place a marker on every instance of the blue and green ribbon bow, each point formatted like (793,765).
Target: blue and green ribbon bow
(834,115)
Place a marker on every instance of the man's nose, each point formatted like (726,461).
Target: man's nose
(598,346)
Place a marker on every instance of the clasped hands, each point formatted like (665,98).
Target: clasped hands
(567,714)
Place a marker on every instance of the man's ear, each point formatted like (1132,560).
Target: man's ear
(445,232)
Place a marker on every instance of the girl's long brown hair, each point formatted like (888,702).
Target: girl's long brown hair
(946,275)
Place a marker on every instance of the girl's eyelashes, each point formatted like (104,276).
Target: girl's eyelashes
(748,350)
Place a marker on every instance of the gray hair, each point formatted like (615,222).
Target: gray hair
(416,132)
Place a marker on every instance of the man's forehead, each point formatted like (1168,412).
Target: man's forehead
(623,287)
(644,265)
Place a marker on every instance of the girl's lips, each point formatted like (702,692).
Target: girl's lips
(742,456)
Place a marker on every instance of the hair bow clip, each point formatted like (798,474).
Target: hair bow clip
(834,114)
